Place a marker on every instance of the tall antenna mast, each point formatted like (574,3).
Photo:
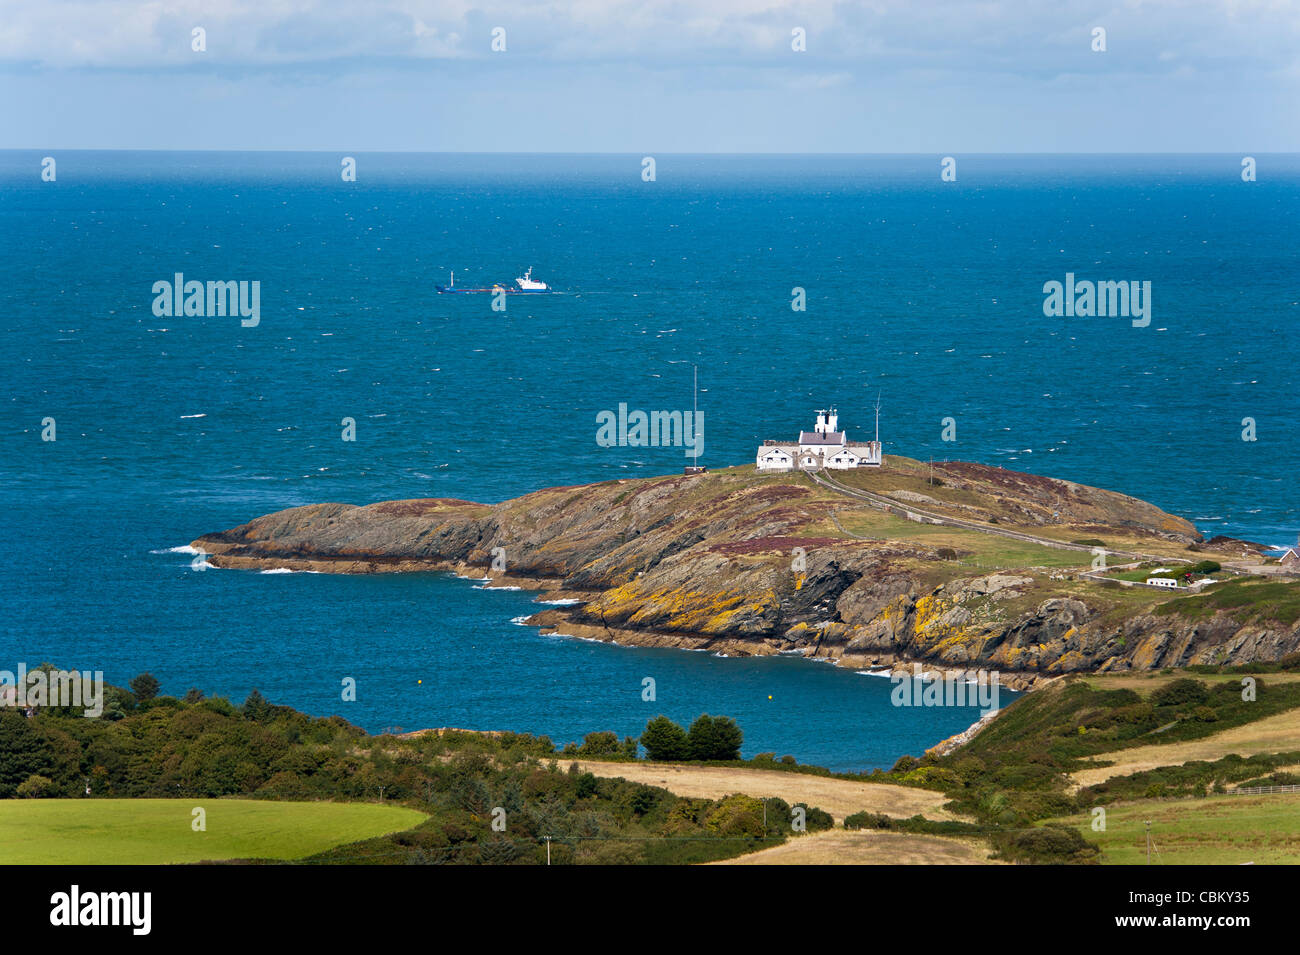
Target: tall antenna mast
(877,417)
(695,409)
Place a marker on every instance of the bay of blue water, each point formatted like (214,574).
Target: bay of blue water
(926,293)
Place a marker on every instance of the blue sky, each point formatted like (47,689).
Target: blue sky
(652,76)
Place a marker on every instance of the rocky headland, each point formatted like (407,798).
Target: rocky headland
(743,563)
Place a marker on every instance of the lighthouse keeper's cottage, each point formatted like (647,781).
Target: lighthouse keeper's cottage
(824,447)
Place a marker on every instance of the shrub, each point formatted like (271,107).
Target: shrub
(1135,713)
(596,745)
(815,820)
(586,785)
(917,823)
(642,799)
(35,787)
(736,815)
(905,764)
(1046,844)
(1028,776)
(932,777)
(1181,692)
(1030,806)
(285,785)
(868,820)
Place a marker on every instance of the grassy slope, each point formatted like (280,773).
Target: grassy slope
(1047,722)
(1205,830)
(1274,734)
(984,553)
(1145,682)
(985,497)
(1216,830)
(157,831)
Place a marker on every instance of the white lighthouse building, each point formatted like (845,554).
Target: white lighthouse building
(826,446)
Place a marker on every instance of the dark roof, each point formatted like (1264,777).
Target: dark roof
(816,437)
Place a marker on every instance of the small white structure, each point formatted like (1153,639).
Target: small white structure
(826,446)
(527,283)
(1169,583)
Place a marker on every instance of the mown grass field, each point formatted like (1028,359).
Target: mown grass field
(157,831)
(839,797)
(1216,830)
(839,847)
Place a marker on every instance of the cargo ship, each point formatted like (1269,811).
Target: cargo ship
(524,284)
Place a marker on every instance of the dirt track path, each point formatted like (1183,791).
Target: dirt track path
(839,797)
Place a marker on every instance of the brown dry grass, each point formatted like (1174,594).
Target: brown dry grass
(1274,734)
(841,847)
(1145,682)
(839,797)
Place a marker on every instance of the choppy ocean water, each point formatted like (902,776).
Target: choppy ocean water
(926,293)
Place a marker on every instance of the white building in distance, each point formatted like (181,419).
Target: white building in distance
(823,447)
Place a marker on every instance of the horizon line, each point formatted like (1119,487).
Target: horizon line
(545,152)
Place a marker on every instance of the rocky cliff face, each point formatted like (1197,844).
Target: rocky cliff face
(749,564)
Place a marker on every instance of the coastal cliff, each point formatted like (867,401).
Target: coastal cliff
(744,563)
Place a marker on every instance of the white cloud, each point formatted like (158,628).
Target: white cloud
(997,35)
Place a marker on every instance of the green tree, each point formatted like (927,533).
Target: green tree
(193,695)
(714,738)
(35,787)
(255,707)
(664,740)
(145,687)
(23,752)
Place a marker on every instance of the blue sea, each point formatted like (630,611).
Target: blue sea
(924,293)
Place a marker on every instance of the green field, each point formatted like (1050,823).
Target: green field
(989,550)
(157,831)
(1216,830)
